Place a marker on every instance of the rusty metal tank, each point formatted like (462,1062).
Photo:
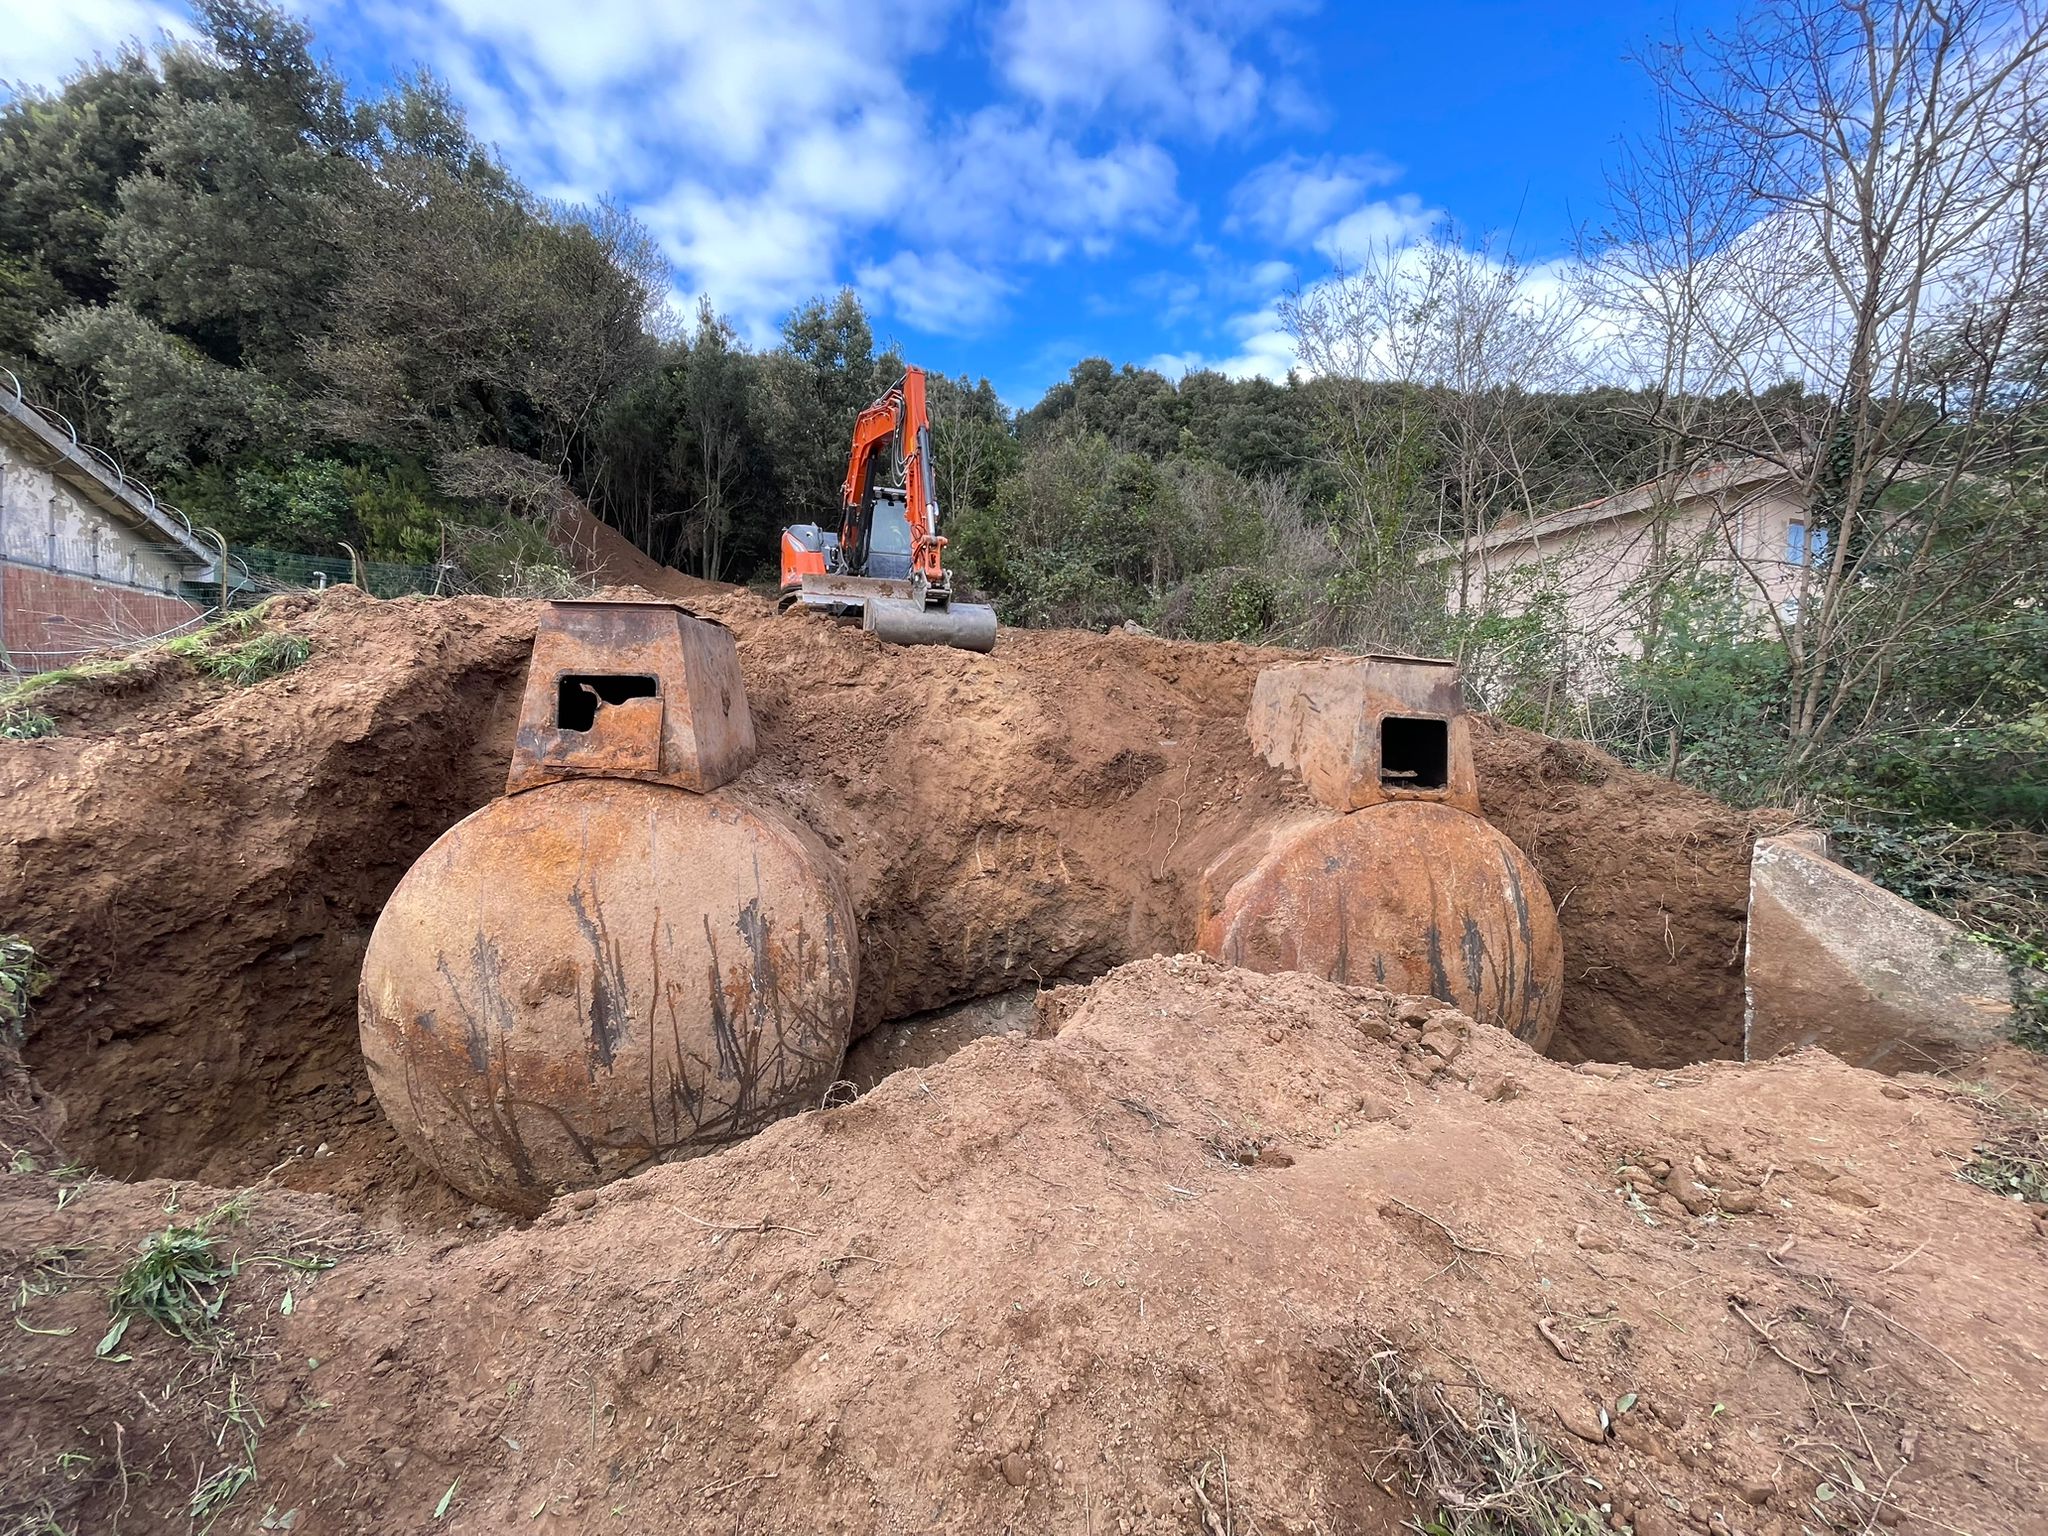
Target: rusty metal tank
(1408,887)
(621,960)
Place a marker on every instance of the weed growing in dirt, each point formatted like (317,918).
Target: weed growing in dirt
(216,1491)
(17,694)
(1488,1472)
(21,978)
(180,1278)
(22,722)
(179,1281)
(38,1519)
(263,655)
(2016,1165)
(252,661)
(257,653)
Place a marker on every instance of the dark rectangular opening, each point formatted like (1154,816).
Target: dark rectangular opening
(577,696)
(1414,753)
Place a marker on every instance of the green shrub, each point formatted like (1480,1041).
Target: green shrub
(22,722)
(21,978)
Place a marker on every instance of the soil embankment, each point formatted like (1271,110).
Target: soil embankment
(1219,1227)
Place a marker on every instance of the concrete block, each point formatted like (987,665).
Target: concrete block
(632,691)
(1367,730)
(1836,961)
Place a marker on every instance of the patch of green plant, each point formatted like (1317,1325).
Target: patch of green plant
(22,722)
(21,690)
(266,655)
(180,1278)
(217,1490)
(1485,1468)
(2014,1166)
(1991,882)
(21,978)
(2030,1000)
(37,1519)
(179,1281)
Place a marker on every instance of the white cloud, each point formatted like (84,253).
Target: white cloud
(1324,204)
(42,41)
(1295,199)
(1261,348)
(1009,181)
(1376,225)
(936,293)
(754,257)
(1168,63)
(774,147)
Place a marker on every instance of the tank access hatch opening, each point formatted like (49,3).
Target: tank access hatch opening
(1415,753)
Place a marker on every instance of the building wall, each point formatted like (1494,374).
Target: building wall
(73,579)
(1593,566)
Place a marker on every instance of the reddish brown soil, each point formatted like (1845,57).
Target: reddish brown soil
(200,865)
(1060,1283)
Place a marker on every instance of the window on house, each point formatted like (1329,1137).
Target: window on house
(1804,545)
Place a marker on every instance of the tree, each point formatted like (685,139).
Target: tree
(168,402)
(713,435)
(1847,197)
(1434,355)
(972,446)
(813,388)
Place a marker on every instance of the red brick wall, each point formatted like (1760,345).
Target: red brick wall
(48,619)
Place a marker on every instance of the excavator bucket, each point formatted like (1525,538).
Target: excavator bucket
(964,626)
(899,612)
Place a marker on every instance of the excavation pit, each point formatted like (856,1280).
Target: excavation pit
(201,866)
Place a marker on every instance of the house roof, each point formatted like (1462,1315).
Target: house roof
(1713,479)
(97,477)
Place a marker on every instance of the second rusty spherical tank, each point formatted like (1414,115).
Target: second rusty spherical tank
(1409,896)
(598,973)
(1408,887)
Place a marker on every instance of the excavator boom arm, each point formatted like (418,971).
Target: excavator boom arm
(898,419)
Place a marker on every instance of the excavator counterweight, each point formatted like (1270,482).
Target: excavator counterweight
(885,565)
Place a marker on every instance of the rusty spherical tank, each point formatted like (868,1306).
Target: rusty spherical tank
(595,974)
(1412,896)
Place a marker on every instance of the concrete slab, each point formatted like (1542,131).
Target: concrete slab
(1837,961)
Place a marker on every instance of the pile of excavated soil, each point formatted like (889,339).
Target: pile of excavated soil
(1213,1256)
(200,865)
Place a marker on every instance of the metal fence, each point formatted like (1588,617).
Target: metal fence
(257,573)
(51,618)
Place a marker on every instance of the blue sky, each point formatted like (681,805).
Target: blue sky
(1011,184)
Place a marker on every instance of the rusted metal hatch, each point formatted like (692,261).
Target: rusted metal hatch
(1367,730)
(632,691)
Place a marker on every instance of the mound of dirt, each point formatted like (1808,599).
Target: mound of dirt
(1226,1252)
(200,865)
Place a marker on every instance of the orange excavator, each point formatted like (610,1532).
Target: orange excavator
(886,564)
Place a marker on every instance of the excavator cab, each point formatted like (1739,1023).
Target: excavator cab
(889,539)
